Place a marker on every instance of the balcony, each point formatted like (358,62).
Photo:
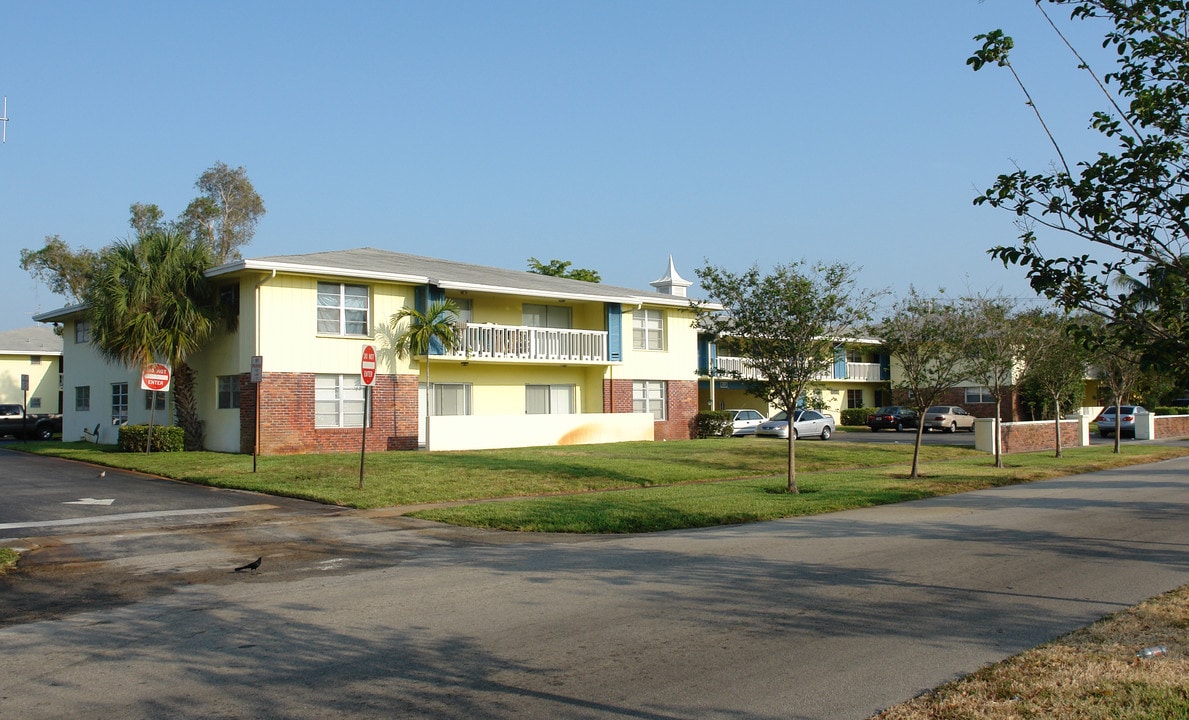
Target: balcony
(729,366)
(514,343)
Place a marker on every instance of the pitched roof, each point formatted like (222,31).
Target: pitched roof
(376,264)
(36,340)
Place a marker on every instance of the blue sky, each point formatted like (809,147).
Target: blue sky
(608,133)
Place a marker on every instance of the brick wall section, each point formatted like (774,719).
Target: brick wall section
(1171,426)
(287,416)
(1039,435)
(681,411)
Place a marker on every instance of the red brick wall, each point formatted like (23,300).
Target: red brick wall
(681,397)
(1171,426)
(287,416)
(1039,435)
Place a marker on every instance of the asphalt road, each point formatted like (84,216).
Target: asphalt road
(834,616)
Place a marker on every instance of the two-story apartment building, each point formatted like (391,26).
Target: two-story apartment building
(859,377)
(36,354)
(542,360)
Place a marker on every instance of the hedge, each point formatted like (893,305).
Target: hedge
(856,416)
(166,438)
(1171,410)
(713,423)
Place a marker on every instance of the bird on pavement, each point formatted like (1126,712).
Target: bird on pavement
(102,473)
(253,566)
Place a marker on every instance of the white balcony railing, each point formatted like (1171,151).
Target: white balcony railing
(729,366)
(511,342)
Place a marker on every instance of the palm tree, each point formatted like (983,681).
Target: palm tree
(149,301)
(438,323)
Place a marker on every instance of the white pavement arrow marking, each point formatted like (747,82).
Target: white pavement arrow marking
(90,501)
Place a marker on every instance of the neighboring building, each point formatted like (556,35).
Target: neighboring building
(859,377)
(37,352)
(543,360)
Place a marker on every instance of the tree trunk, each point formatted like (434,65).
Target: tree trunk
(185,404)
(792,458)
(998,439)
(1118,421)
(1057,421)
(916,448)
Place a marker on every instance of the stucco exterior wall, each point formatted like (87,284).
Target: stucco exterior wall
(43,381)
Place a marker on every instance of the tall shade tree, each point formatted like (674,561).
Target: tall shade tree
(149,301)
(927,338)
(996,339)
(420,333)
(224,216)
(1056,362)
(65,271)
(786,325)
(1124,209)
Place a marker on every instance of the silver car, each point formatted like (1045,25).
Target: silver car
(1106,420)
(806,423)
(948,418)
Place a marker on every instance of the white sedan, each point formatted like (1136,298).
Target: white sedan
(806,423)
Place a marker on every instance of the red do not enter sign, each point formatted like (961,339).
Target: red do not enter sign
(367,367)
(155,377)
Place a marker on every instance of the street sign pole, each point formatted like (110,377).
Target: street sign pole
(367,374)
(154,377)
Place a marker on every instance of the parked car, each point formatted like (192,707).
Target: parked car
(894,417)
(806,423)
(1106,420)
(948,418)
(744,421)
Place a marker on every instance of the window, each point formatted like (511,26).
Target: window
(338,401)
(465,309)
(34,403)
(342,309)
(546,316)
(228,392)
(229,298)
(34,359)
(119,402)
(648,396)
(854,398)
(82,332)
(854,355)
(452,399)
(148,400)
(82,398)
(648,330)
(979,395)
(549,399)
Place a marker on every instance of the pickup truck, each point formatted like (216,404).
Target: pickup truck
(35,426)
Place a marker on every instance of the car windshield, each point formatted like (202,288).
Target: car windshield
(780,416)
(889,410)
(938,409)
(1127,410)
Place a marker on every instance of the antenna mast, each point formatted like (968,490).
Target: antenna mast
(4,121)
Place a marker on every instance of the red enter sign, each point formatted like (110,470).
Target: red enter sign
(367,368)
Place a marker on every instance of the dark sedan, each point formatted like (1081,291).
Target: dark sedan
(892,417)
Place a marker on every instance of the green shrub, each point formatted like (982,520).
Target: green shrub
(1171,410)
(856,416)
(714,423)
(166,438)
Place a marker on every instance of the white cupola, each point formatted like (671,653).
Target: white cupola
(671,283)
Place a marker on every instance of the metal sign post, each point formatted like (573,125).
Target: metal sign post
(367,374)
(154,377)
(257,378)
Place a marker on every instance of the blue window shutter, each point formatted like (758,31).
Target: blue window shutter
(614,312)
(839,362)
(423,297)
(885,366)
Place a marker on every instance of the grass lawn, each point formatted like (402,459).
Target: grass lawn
(662,485)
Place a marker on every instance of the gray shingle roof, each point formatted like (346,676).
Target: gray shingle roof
(379,264)
(36,340)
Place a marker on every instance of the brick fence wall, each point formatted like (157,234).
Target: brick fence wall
(287,416)
(1171,426)
(1039,435)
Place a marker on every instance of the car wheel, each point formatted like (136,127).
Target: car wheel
(796,435)
(899,427)
(953,426)
(826,433)
(1103,434)
(43,433)
(874,429)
